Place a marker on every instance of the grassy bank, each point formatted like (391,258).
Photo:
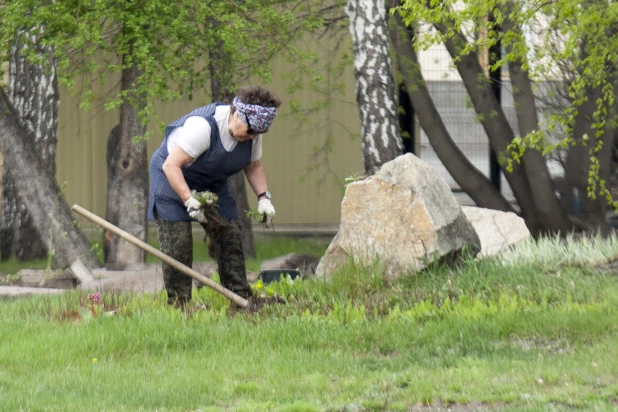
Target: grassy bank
(534,329)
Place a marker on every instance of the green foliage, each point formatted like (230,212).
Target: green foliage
(179,46)
(255,215)
(169,42)
(205,198)
(355,177)
(574,42)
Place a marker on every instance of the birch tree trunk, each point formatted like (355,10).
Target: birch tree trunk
(33,92)
(375,86)
(127,171)
(39,193)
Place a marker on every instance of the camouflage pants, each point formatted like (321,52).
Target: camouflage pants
(176,239)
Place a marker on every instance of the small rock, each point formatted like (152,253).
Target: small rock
(497,230)
(252,276)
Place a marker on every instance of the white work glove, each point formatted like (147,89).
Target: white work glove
(266,208)
(194,207)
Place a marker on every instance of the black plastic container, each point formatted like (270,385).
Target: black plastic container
(268,276)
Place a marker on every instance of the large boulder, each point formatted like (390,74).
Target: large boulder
(497,230)
(402,217)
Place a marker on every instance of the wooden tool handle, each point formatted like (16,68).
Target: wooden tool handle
(169,260)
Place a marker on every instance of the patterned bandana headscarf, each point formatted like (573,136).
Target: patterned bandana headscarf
(259,117)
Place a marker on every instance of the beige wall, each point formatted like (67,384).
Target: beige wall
(82,139)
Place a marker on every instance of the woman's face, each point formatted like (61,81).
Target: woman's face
(239,129)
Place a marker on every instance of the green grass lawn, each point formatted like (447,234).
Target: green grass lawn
(533,329)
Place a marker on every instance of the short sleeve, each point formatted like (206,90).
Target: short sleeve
(193,136)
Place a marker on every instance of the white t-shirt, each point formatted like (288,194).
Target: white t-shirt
(194,135)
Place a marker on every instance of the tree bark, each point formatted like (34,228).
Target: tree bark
(39,193)
(127,163)
(494,122)
(375,86)
(33,92)
(590,212)
(549,210)
(221,81)
(239,191)
(471,180)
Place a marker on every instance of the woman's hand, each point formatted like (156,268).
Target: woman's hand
(266,208)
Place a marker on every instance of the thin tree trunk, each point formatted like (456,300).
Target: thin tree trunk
(221,83)
(127,163)
(1,184)
(494,122)
(375,86)
(239,191)
(552,216)
(605,162)
(471,180)
(591,212)
(39,193)
(33,92)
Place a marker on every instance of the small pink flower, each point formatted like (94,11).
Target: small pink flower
(94,297)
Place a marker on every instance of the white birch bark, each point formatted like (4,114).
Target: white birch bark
(33,92)
(39,191)
(375,89)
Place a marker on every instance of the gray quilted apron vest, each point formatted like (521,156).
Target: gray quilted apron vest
(209,171)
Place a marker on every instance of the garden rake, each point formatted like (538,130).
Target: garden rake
(240,301)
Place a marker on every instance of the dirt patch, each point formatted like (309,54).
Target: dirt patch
(258,302)
(458,407)
(547,346)
(609,268)
(146,277)
(40,278)
(269,300)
